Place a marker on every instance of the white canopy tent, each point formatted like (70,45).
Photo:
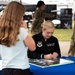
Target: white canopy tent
(60,3)
(35,1)
(5,2)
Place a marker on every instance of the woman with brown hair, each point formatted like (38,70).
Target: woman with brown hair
(14,41)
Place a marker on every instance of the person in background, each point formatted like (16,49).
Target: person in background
(14,41)
(47,46)
(71,51)
(38,17)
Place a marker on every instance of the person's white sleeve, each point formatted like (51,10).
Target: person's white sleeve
(0,49)
(23,33)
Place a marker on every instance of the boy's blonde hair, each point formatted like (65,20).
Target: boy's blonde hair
(47,24)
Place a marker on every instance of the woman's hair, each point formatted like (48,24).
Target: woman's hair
(40,3)
(10,23)
(47,24)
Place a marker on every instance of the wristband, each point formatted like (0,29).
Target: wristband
(41,56)
(29,34)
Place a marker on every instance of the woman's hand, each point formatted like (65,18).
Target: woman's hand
(24,24)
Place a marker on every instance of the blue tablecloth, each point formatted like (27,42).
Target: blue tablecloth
(68,69)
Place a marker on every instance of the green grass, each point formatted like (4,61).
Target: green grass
(63,34)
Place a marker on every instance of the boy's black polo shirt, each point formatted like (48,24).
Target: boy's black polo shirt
(44,47)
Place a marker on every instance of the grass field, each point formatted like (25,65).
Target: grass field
(63,34)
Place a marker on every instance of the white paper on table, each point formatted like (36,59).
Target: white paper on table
(62,62)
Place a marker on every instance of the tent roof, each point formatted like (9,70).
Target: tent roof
(6,2)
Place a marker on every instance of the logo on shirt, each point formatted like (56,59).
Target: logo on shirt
(51,44)
(39,44)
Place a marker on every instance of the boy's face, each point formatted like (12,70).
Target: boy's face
(48,33)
